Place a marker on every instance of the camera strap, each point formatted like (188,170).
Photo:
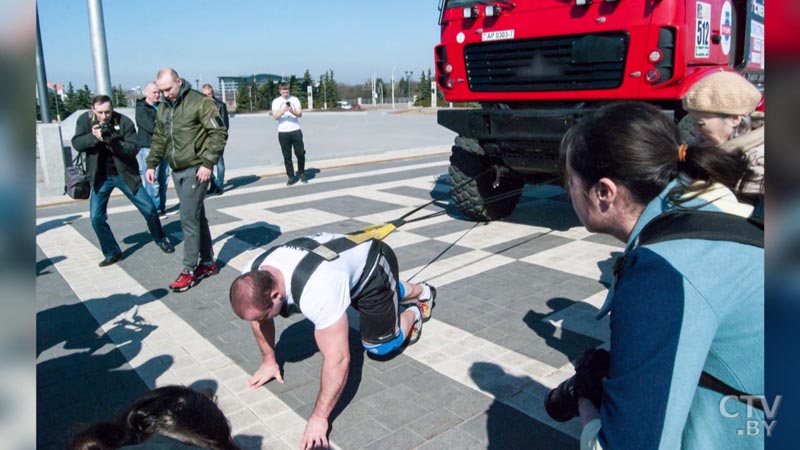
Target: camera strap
(711,226)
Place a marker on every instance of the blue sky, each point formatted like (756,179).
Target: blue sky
(202,39)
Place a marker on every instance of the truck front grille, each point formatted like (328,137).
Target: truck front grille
(563,63)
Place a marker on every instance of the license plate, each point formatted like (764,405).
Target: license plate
(497,35)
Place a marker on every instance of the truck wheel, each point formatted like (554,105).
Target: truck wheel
(471,197)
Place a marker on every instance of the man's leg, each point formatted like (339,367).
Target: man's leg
(221,173)
(384,327)
(285,140)
(162,178)
(190,194)
(98,205)
(299,151)
(150,188)
(142,202)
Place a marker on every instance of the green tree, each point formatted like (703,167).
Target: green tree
(304,84)
(243,98)
(423,90)
(333,92)
(71,101)
(266,95)
(84,98)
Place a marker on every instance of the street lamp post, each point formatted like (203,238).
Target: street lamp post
(408,76)
(393,67)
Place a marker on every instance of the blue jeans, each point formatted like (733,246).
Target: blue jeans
(158,190)
(219,178)
(98,205)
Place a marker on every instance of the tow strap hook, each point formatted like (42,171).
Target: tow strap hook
(498,172)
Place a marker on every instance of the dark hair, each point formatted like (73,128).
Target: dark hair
(636,145)
(100,99)
(283,85)
(251,288)
(175,411)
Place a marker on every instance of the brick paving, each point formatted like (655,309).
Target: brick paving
(516,302)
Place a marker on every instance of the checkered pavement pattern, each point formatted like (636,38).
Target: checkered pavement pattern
(516,302)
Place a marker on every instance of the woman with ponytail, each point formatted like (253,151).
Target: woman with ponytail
(174,411)
(678,307)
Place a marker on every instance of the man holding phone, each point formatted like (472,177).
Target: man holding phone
(286,109)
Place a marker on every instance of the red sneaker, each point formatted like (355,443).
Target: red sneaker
(184,282)
(205,271)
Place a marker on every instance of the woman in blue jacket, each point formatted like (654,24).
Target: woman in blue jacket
(683,306)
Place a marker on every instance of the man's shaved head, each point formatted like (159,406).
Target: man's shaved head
(250,294)
(169,83)
(167,71)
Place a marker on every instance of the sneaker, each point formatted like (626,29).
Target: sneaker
(165,245)
(291,181)
(162,215)
(416,330)
(205,271)
(111,260)
(425,306)
(184,282)
(303,177)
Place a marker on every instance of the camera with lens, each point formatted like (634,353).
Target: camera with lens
(590,368)
(106,129)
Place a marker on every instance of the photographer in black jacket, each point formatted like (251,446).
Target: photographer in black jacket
(108,140)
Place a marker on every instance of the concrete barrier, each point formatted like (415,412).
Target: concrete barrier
(53,156)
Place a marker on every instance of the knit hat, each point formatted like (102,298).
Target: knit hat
(723,93)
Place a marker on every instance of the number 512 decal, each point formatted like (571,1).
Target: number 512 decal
(702,42)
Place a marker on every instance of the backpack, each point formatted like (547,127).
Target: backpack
(707,225)
(76,181)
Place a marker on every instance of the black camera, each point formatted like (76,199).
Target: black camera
(590,368)
(106,129)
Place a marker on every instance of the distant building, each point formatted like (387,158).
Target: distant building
(229,85)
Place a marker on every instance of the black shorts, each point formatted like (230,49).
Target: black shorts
(377,302)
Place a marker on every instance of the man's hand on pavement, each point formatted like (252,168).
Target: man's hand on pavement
(315,435)
(203,174)
(265,372)
(150,175)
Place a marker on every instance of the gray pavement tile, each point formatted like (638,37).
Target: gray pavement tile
(503,427)
(444,228)
(397,375)
(367,431)
(352,415)
(423,194)
(469,404)
(402,439)
(337,205)
(434,423)
(527,246)
(605,240)
(451,439)
(424,253)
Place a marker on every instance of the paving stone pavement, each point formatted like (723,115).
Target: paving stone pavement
(516,303)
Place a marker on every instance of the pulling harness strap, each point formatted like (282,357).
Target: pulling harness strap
(316,253)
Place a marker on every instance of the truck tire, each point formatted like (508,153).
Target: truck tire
(470,198)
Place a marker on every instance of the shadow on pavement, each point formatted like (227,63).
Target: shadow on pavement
(257,235)
(56,223)
(237,182)
(507,427)
(82,375)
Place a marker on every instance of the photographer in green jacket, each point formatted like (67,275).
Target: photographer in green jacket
(191,136)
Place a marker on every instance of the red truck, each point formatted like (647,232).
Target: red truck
(537,66)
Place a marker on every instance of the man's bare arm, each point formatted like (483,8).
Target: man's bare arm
(264,333)
(333,344)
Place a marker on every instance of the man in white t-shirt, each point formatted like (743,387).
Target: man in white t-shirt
(321,276)
(286,109)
